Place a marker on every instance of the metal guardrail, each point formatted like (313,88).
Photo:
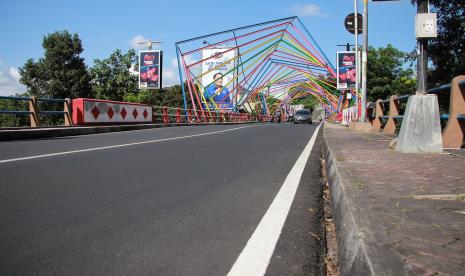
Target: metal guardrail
(51,100)
(442,117)
(50,112)
(163,114)
(461,117)
(34,111)
(403,97)
(436,90)
(14,98)
(453,134)
(15,112)
(439,89)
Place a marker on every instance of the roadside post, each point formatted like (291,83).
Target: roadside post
(421,126)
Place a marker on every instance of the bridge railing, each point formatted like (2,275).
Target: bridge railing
(35,112)
(388,112)
(161,114)
(166,115)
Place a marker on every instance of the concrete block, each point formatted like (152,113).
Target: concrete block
(421,126)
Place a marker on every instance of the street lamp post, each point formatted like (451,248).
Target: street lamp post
(357,63)
(364,60)
(149,43)
(420,131)
(422,7)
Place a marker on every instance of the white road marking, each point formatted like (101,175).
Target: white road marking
(119,146)
(255,256)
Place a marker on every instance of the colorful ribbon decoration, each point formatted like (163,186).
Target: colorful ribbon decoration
(278,59)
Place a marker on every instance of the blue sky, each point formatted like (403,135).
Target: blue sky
(104,26)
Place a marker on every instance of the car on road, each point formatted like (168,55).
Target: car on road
(303,116)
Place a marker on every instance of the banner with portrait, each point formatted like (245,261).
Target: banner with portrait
(217,74)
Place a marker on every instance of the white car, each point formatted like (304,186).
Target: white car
(303,116)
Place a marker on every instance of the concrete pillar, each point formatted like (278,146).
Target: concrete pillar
(67,109)
(379,111)
(34,115)
(390,127)
(421,126)
(455,130)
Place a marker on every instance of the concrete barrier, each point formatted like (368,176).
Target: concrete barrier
(92,111)
(452,135)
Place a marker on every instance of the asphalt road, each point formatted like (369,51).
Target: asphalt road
(170,201)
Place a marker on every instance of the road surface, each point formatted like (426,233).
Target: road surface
(170,201)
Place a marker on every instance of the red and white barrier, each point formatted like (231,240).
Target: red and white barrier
(349,115)
(92,111)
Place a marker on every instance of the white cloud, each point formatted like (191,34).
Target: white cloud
(309,9)
(171,74)
(14,73)
(174,62)
(188,59)
(9,81)
(134,42)
(170,77)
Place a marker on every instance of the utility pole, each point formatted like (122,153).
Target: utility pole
(357,62)
(347,93)
(422,7)
(420,131)
(364,60)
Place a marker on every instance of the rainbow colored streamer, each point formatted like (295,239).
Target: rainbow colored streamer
(278,59)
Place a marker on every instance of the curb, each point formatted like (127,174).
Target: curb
(358,252)
(39,133)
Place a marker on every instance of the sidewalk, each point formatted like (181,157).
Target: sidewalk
(395,214)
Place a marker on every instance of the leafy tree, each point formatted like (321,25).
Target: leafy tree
(61,73)
(447,51)
(271,101)
(168,96)
(309,101)
(387,75)
(111,77)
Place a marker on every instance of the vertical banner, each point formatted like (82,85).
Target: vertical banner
(150,69)
(217,72)
(346,70)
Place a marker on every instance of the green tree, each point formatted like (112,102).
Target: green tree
(387,74)
(168,96)
(309,101)
(271,101)
(447,51)
(111,77)
(61,73)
